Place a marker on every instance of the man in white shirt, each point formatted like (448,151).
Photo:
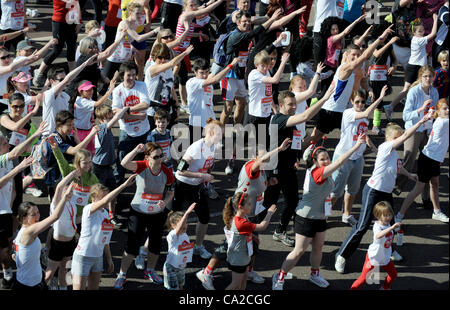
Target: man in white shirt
(134,126)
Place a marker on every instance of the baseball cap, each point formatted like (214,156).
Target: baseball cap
(22,77)
(86,86)
(24,45)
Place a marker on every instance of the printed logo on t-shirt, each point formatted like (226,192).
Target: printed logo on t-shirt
(362,129)
(389,237)
(268,90)
(107,225)
(208,164)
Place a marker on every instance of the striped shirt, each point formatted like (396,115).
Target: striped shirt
(180,30)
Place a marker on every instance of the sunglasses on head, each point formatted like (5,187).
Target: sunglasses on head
(5,57)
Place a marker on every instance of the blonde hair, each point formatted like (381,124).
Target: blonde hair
(295,79)
(160,50)
(79,156)
(382,208)
(443,55)
(392,128)
(173,218)
(131,6)
(91,25)
(96,189)
(439,105)
(262,58)
(422,71)
(85,44)
(101,112)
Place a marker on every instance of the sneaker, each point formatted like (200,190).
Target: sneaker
(115,221)
(230,167)
(276,284)
(200,250)
(38,79)
(397,191)
(206,279)
(139,262)
(388,110)
(377,131)
(153,277)
(339,265)
(318,280)
(7,284)
(349,219)
(120,282)
(33,190)
(396,257)
(283,238)
(212,194)
(440,216)
(255,278)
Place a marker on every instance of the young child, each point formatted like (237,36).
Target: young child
(161,135)
(441,75)
(83,107)
(429,162)
(379,252)
(200,95)
(417,60)
(180,250)
(239,232)
(104,155)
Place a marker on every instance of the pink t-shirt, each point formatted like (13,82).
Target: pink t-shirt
(333,52)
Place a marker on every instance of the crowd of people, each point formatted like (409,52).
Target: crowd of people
(124,70)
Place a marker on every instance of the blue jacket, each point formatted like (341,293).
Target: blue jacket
(414,100)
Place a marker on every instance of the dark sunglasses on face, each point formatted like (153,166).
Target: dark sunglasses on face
(163,57)
(5,57)
(156,157)
(170,36)
(18,106)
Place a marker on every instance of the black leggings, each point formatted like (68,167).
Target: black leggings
(110,68)
(191,194)
(65,34)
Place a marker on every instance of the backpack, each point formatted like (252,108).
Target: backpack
(39,167)
(220,56)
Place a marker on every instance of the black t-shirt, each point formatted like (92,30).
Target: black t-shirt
(287,158)
(7,133)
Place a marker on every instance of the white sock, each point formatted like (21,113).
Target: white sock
(7,274)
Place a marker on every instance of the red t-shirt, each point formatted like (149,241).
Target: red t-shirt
(60,11)
(243,226)
(111,17)
(317,175)
(143,164)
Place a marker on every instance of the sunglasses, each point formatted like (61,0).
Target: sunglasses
(163,57)
(18,106)
(156,157)
(5,57)
(170,36)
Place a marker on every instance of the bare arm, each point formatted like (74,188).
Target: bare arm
(286,19)
(156,69)
(72,150)
(23,147)
(433,32)
(409,132)
(384,232)
(127,162)
(369,110)
(312,86)
(219,76)
(118,115)
(263,225)
(347,30)
(275,79)
(258,161)
(183,220)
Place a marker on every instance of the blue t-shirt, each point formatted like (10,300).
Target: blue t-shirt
(352,9)
(165,141)
(54,173)
(104,147)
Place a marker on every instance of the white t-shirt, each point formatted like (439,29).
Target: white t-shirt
(178,250)
(203,160)
(51,106)
(301,107)
(159,87)
(380,250)
(350,130)
(124,51)
(387,165)
(124,97)
(324,9)
(13,15)
(84,113)
(437,145)
(260,94)
(29,270)
(96,231)
(66,224)
(418,51)
(6,166)
(200,102)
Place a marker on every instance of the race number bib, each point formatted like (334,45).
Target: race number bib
(340,8)
(149,203)
(297,140)
(378,73)
(18,137)
(185,251)
(259,204)
(266,104)
(243,56)
(80,195)
(328,206)
(202,20)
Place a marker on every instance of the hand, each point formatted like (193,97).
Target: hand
(320,67)
(75,174)
(361,139)
(157,29)
(277,14)
(329,92)
(42,127)
(413,177)
(92,60)
(297,165)
(69,191)
(360,19)
(396,225)
(387,32)
(54,41)
(272,209)
(285,57)
(384,91)
(273,181)
(130,180)
(394,39)
(435,17)
(301,10)
(95,129)
(425,106)
(371,95)
(235,61)
(191,208)
(26,162)
(52,141)
(161,204)
(78,28)
(140,148)
(207,177)
(391,70)
(189,49)
(204,37)
(284,146)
